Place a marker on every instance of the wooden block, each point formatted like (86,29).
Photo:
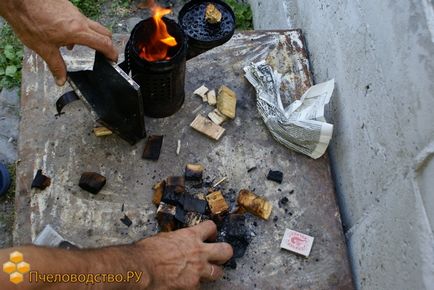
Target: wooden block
(212,14)
(227,102)
(152,148)
(201,92)
(158,192)
(212,98)
(217,117)
(102,131)
(254,204)
(193,172)
(166,217)
(205,126)
(217,203)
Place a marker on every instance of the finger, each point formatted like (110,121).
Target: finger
(206,230)
(95,26)
(219,253)
(211,272)
(98,42)
(55,63)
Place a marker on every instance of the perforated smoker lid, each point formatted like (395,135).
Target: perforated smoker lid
(194,25)
(113,96)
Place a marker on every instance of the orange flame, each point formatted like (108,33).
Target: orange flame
(157,47)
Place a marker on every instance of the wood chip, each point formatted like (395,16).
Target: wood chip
(212,14)
(220,181)
(205,126)
(102,131)
(166,217)
(212,97)
(227,102)
(217,203)
(254,204)
(158,192)
(217,117)
(193,172)
(202,93)
(178,148)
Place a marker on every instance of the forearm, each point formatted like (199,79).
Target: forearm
(99,266)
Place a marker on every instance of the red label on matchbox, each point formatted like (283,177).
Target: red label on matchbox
(297,242)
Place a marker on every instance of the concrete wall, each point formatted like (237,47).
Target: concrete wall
(381,54)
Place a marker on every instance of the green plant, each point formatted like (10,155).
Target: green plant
(11,57)
(243,14)
(90,8)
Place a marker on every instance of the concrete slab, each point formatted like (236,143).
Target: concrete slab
(9,120)
(65,147)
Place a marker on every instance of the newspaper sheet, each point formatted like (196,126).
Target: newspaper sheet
(300,126)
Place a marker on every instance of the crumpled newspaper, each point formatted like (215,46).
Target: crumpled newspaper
(300,126)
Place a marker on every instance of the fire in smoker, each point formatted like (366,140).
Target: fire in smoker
(159,43)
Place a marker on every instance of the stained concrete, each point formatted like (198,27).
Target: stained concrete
(381,54)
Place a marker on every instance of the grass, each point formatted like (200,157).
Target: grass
(11,57)
(243,14)
(90,8)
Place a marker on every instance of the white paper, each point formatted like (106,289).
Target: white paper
(301,126)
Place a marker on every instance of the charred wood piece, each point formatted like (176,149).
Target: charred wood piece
(192,219)
(92,182)
(193,172)
(276,176)
(166,217)
(194,204)
(153,147)
(41,181)
(126,221)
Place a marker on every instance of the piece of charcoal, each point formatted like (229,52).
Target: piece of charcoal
(166,217)
(153,147)
(237,235)
(41,181)
(92,182)
(175,184)
(195,204)
(158,192)
(192,219)
(180,214)
(126,221)
(193,172)
(283,201)
(174,190)
(276,176)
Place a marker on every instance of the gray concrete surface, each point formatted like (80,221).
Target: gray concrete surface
(63,147)
(381,54)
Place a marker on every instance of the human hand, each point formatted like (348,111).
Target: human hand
(181,259)
(46,25)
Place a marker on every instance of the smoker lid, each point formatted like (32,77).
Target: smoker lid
(192,20)
(112,95)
